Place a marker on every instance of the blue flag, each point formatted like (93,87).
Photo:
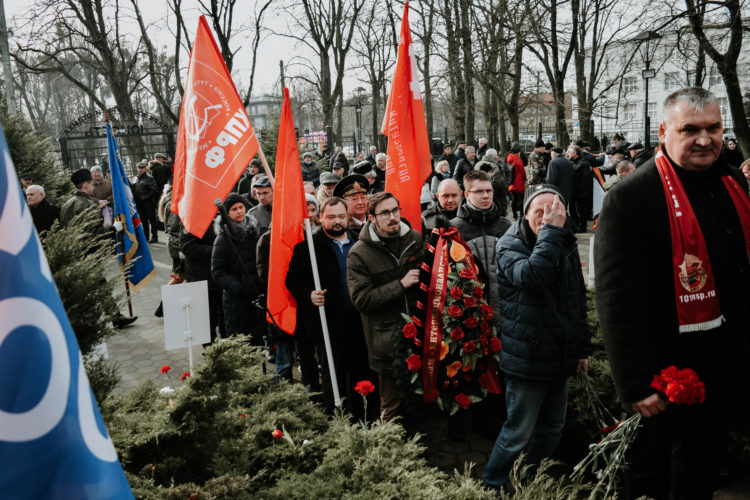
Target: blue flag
(132,236)
(53,443)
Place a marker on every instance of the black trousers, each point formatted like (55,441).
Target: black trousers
(148,219)
(676,455)
(580,211)
(516,203)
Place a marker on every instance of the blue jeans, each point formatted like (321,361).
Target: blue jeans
(536,416)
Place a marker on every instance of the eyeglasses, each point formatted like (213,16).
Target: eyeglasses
(482,191)
(386,214)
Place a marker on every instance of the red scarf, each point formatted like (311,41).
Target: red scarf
(698,306)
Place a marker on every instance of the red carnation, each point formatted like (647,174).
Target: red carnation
(471,322)
(469,347)
(610,428)
(184,376)
(417,342)
(485,328)
(414,363)
(457,334)
(478,291)
(495,344)
(276,433)
(455,311)
(470,301)
(242,416)
(364,387)
(410,330)
(680,386)
(463,400)
(487,311)
(456,293)
(165,368)
(466,273)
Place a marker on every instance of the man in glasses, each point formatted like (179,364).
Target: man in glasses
(382,271)
(481,225)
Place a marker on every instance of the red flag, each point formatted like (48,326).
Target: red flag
(289,212)
(215,141)
(405,126)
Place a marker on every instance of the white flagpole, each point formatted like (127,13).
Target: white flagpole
(321,309)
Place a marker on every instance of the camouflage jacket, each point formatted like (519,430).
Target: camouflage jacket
(537,169)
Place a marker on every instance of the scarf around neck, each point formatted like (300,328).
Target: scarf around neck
(698,307)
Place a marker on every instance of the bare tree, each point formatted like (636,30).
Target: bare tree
(74,33)
(327,28)
(554,43)
(729,25)
(374,50)
(601,24)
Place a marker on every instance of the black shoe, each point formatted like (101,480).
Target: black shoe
(159,313)
(123,321)
(154,239)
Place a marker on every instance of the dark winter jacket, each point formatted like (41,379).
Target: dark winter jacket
(635,290)
(543,326)
(560,174)
(161,174)
(436,217)
(172,226)
(452,159)
(374,278)
(262,215)
(344,323)
(583,180)
(197,252)
(311,172)
(733,156)
(593,161)
(644,156)
(146,192)
(462,168)
(245,184)
(44,215)
(481,229)
(497,173)
(236,274)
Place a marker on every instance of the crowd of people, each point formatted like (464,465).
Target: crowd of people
(519,216)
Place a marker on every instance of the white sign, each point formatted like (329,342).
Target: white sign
(185,314)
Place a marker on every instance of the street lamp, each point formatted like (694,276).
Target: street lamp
(645,39)
(360,91)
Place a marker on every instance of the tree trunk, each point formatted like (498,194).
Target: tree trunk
(468,72)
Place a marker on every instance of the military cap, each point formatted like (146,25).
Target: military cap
(351,184)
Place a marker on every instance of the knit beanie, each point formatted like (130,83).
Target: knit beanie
(232,200)
(538,189)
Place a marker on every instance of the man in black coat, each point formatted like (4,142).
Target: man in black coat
(465,165)
(582,200)
(677,452)
(639,154)
(146,194)
(560,173)
(449,156)
(440,214)
(332,244)
(43,213)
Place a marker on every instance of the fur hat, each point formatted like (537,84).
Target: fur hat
(535,191)
(80,176)
(329,178)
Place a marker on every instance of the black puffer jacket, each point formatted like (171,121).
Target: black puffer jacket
(197,252)
(543,325)
(374,278)
(239,284)
(481,229)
